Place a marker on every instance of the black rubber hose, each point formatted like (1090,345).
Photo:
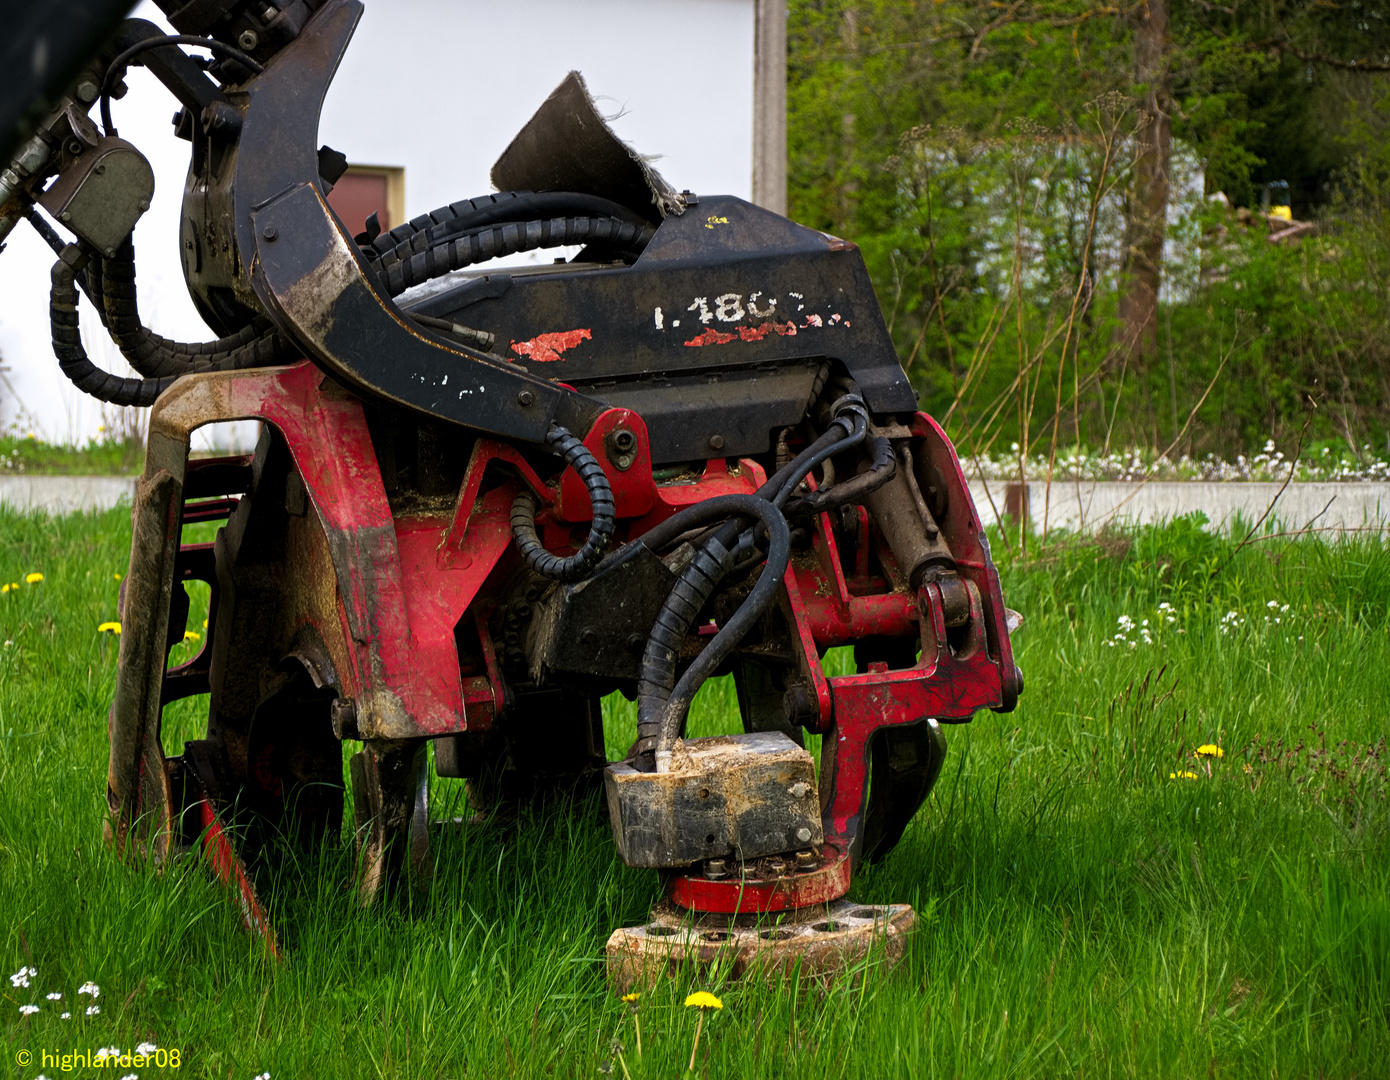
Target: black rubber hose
(258,344)
(827,446)
(499,240)
(67,343)
(882,468)
(659,705)
(582,562)
(124,58)
(429,230)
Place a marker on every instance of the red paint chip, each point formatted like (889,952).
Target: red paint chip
(547,347)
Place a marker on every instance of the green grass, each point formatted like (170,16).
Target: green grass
(99,457)
(1082,914)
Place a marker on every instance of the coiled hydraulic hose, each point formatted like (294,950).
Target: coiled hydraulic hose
(67,343)
(429,230)
(256,345)
(496,241)
(578,565)
(662,702)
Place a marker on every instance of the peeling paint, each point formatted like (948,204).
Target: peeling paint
(711,336)
(548,347)
(757,333)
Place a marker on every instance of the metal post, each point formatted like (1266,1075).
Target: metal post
(770,105)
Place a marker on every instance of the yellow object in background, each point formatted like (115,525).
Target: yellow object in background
(1284,213)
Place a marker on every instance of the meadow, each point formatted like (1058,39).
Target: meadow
(1173,860)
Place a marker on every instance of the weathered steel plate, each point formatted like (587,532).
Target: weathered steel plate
(821,943)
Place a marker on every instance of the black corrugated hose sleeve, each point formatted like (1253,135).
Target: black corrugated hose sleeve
(430,229)
(67,343)
(255,345)
(732,632)
(657,674)
(578,565)
(499,240)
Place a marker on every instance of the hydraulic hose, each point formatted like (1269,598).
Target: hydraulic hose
(428,230)
(495,241)
(662,702)
(67,343)
(882,468)
(576,566)
(258,344)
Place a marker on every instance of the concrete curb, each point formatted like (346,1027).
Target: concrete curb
(56,495)
(1085,507)
(1090,505)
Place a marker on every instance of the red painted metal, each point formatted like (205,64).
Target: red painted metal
(765,896)
(407,583)
(222,857)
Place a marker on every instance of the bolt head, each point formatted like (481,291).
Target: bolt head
(87,91)
(716,442)
(716,869)
(799,790)
(248,40)
(525,398)
(805,860)
(270,232)
(803,834)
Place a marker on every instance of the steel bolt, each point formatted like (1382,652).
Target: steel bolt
(799,790)
(87,91)
(805,860)
(248,40)
(716,869)
(525,398)
(803,834)
(776,867)
(270,232)
(716,442)
(588,637)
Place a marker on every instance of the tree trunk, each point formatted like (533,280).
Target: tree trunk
(1146,220)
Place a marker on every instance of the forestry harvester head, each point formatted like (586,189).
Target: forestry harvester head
(484,499)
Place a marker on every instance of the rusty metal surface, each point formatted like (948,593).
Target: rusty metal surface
(822,944)
(743,795)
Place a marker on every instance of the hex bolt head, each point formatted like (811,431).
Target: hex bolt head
(716,869)
(588,637)
(803,834)
(87,91)
(799,790)
(270,232)
(248,40)
(525,398)
(716,442)
(805,860)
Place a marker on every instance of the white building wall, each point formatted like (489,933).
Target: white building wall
(440,87)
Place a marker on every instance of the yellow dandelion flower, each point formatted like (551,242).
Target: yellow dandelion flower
(1182,776)
(7,588)
(631,999)
(1209,750)
(34,578)
(109,628)
(189,635)
(116,577)
(703,999)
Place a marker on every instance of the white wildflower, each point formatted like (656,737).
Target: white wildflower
(93,1010)
(90,988)
(28,1010)
(67,1016)
(21,977)
(107,1051)
(146,1048)
(55,996)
